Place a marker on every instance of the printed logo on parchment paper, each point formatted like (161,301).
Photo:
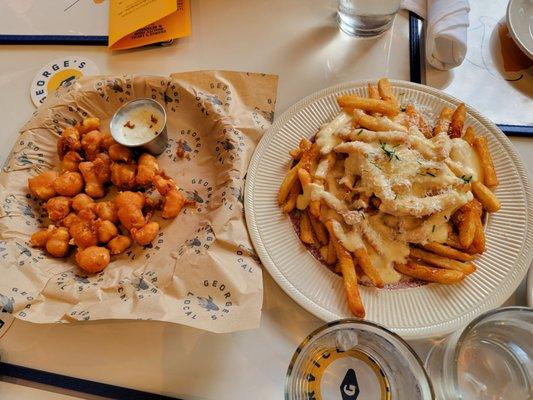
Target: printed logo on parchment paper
(185,148)
(230,147)
(119,88)
(170,97)
(24,155)
(213,300)
(14,207)
(218,99)
(141,287)
(230,194)
(200,243)
(81,315)
(148,250)
(80,283)
(59,118)
(23,254)
(18,296)
(200,191)
(6,304)
(263,118)
(243,252)
(3,249)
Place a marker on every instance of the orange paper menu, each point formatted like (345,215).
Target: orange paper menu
(136,23)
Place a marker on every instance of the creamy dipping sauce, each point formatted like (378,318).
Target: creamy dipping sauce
(138,125)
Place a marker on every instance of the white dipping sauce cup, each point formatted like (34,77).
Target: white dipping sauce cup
(141,123)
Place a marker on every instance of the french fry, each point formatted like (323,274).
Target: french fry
(305,163)
(486,197)
(453,241)
(310,156)
(304,176)
(429,274)
(375,123)
(291,199)
(373,92)
(319,229)
(442,262)
(489,173)
(467,229)
(417,119)
(288,182)
(465,221)
(314,208)
(295,153)
(347,267)
(385,91)
(455,130)
(332,255)
(324,252)
(306,232)
(363,260)
(469,136)
(443,122)
(305,179)
(447,251)
(305,144)
(370,105)
(478,244)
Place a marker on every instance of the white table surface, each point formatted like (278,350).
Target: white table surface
(299,41)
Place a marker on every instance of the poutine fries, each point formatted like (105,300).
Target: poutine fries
(383,196)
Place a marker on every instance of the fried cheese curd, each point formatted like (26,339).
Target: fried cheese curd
(90,163)
(174,200)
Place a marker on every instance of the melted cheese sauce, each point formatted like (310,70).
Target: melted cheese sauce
(466,156)
(420,182)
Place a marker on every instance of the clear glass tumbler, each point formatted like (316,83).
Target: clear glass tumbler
(366,17)
(492,358)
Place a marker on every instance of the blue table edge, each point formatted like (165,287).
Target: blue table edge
(76,384)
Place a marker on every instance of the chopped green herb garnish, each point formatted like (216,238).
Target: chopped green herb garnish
(390,152)
(375,165)
(431,174)
(360,131)
(433,230)
(466,179)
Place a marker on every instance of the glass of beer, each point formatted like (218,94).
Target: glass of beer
(366,17)
(353,359)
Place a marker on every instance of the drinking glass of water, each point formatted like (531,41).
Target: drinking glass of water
(491,359)
(366,17)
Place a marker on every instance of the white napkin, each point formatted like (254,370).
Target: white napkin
(447,21)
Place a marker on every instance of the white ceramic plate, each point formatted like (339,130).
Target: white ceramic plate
(520,23)
(530,288)
(426,311)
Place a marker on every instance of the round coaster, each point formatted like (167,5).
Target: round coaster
(61,71)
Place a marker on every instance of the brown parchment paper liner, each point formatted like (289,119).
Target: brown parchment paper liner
(201,269)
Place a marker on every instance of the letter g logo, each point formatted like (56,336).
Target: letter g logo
(349,386)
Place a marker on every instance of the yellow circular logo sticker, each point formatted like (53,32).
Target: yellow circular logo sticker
(345,375)
(60,72)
